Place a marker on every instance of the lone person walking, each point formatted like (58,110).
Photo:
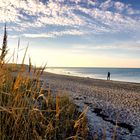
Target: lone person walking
(108,76)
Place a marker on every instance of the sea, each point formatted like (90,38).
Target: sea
(117,74)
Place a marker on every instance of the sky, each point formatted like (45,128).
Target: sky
(73,33)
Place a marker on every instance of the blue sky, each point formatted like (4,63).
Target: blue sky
(94,33)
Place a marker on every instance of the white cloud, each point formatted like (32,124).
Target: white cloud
(132,11)
(13,36)
(119,6)
(31,14)
(130,46)
(107,4)
(54,34)
(113,20)
(38,35)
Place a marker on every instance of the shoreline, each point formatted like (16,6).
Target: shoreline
(90,80)
(91,77)
(127,75)
(106,101)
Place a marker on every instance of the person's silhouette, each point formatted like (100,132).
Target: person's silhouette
(108,76)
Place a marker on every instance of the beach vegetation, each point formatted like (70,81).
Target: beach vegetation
(28,112)
(4,49)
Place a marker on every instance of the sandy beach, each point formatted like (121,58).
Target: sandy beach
(109,103)
(113,106)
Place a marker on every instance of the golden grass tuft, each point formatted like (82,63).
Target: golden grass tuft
(22,116)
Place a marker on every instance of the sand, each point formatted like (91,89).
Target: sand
(107,101)
(113,106)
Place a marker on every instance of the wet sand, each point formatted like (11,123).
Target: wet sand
(108,101)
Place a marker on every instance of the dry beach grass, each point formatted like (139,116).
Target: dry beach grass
(27,112)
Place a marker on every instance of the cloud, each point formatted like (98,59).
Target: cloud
(7,12)
(54,34)
(131,11)
(107,4)
(84,16)
(13,36)
(119,6)
(129,46)
(108,21)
